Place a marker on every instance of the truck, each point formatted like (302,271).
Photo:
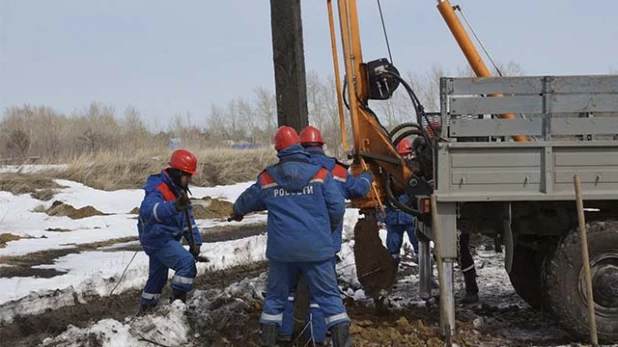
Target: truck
(497,159)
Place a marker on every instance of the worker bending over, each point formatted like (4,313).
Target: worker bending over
(162,224)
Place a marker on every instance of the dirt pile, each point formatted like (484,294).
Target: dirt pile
(206,208)
(400,333)
(59,208)
(7,237)
(209,208)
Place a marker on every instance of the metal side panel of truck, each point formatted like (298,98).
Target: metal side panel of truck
(522,193)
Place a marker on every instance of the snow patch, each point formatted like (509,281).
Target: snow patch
(32,168)
(97,273)
(168,329)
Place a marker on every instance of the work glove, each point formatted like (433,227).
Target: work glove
(195,252)
(182,203)
(368,174)
(235,218)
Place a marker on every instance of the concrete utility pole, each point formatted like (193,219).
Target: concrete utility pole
(289,62)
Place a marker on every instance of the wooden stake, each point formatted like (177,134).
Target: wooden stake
(585,259)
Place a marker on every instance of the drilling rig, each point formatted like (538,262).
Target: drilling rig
(497,159)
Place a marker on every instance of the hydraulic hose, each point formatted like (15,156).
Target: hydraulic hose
(395,202)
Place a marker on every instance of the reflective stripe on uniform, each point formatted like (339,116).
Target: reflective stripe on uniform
(182,280)
(365,178)
(337,317)
(154,212)
(314,306)
(340,179)
(270,185)
(468,268)
(150,296)
(290,298)
(272,317)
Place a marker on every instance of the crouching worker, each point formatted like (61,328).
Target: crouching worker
(305,207)
(162,224)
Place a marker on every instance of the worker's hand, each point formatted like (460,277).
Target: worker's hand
(235,218)
(368,174)
(195,252)
(381,225)
(182,203)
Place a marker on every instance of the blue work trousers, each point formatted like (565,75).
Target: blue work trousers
(171,256)
(394,238)
(321,281)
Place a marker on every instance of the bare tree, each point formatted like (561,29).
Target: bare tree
(266,109)
(216,123)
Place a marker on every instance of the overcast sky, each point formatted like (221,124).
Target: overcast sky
(169,57)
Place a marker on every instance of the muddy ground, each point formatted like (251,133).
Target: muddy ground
(499,319)
(31,330)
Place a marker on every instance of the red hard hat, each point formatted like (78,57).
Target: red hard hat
(285,137)
(404,147)
(311,135)
(184,160)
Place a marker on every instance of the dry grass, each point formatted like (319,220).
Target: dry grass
(39,209)
(7,237)
(111,171)
(59,230)
(41,186)
(105,243)
(44,194)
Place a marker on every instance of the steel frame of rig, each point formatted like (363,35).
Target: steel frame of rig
(497,159)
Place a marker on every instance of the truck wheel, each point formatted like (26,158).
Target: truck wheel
(525,275)
(564,287)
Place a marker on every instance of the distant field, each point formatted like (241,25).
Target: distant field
(116,170)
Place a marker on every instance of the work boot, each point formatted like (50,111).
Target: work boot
(396,261)
(268,335)
(284,341)
(144,309)
(472,288)
(341,335)
(469,298)
(178,295)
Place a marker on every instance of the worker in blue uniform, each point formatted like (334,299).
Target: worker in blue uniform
(350,187)
(304,207)
(162,224)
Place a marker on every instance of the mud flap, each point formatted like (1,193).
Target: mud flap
(375,268)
